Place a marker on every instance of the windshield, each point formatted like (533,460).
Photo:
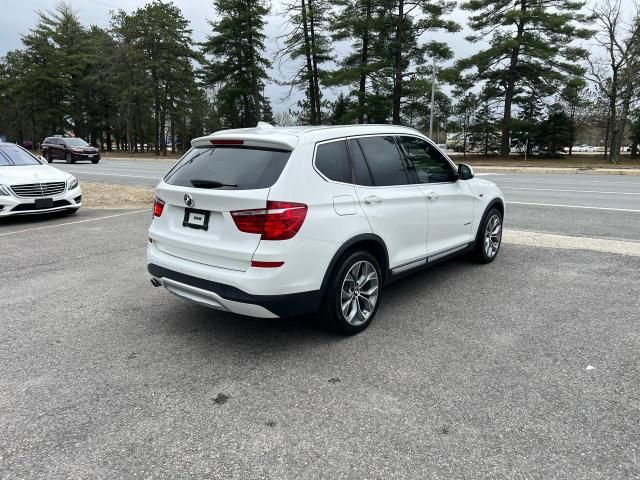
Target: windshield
(224,168)
(76,142)
(14,155)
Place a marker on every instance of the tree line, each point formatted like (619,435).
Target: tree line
(545,71)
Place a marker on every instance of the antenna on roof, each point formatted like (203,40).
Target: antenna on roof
(264,126)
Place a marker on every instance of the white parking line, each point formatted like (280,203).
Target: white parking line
(112,174)
(572,179)
(563,190)
(550,240)
(575,206)
(72,223)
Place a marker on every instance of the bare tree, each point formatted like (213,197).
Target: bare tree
(617,72)
(283,119)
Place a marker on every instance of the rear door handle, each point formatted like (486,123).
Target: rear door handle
(432,196)
(372,199)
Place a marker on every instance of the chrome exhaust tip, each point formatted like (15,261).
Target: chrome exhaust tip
(155,282)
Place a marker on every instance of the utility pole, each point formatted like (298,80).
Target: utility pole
(433,97)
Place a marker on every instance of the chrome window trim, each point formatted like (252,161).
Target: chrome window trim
(355,137)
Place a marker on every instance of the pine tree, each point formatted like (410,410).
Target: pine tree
(164,37)
(363,22)
(308,41)
(409,21)
(530,42)
(238,61)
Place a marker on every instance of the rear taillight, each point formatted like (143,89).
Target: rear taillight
(279,221)
(158,207)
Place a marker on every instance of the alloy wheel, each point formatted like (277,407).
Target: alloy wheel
(359,293)
(492,236)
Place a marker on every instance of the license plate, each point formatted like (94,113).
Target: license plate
(198,219)
(44,203)
(91,156)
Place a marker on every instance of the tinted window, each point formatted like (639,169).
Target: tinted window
(361,174)
(333,162)
(14,155)
(383,158)
(430,165)
(248,168)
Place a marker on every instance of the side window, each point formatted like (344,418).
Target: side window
(333,162)
(429,164)
(361,173)
(383,158)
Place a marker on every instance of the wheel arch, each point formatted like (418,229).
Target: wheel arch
(369,242)
(496,203)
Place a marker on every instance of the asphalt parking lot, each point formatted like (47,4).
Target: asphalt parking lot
(525,368)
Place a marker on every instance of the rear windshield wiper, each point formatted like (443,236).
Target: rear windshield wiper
(211,184)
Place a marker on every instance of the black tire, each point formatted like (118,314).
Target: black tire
(68,158)
(47,156)
(94,161)
(482,252)
(331,314)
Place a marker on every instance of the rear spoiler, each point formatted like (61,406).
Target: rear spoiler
(280,141)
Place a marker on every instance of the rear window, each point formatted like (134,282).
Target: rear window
(229,168)
(332,160)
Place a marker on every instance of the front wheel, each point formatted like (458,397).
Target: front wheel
(48,158)
(353,294)
(68,158)
(489,238)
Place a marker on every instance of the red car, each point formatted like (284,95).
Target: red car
(69,149)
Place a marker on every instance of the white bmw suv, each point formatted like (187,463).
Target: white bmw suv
(272,222)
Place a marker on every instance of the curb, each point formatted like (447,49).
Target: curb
(561,170)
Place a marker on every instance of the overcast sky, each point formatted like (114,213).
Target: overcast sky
(20,17)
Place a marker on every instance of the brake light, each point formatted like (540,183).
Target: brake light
(158,207)
(226,141)
(279,221)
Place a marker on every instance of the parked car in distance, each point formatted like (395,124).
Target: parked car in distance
(585,148)
(70,150)
(28,185)
(273,222)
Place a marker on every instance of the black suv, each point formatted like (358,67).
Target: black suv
(69,149)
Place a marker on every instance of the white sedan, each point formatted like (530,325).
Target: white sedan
(27,186)
(586,148)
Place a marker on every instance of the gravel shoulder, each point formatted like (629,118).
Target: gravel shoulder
(106,195)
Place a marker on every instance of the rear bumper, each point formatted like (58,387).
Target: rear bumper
(232,299)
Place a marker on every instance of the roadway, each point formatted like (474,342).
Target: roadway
(600,206)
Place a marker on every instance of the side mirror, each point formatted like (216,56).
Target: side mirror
(465,172)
